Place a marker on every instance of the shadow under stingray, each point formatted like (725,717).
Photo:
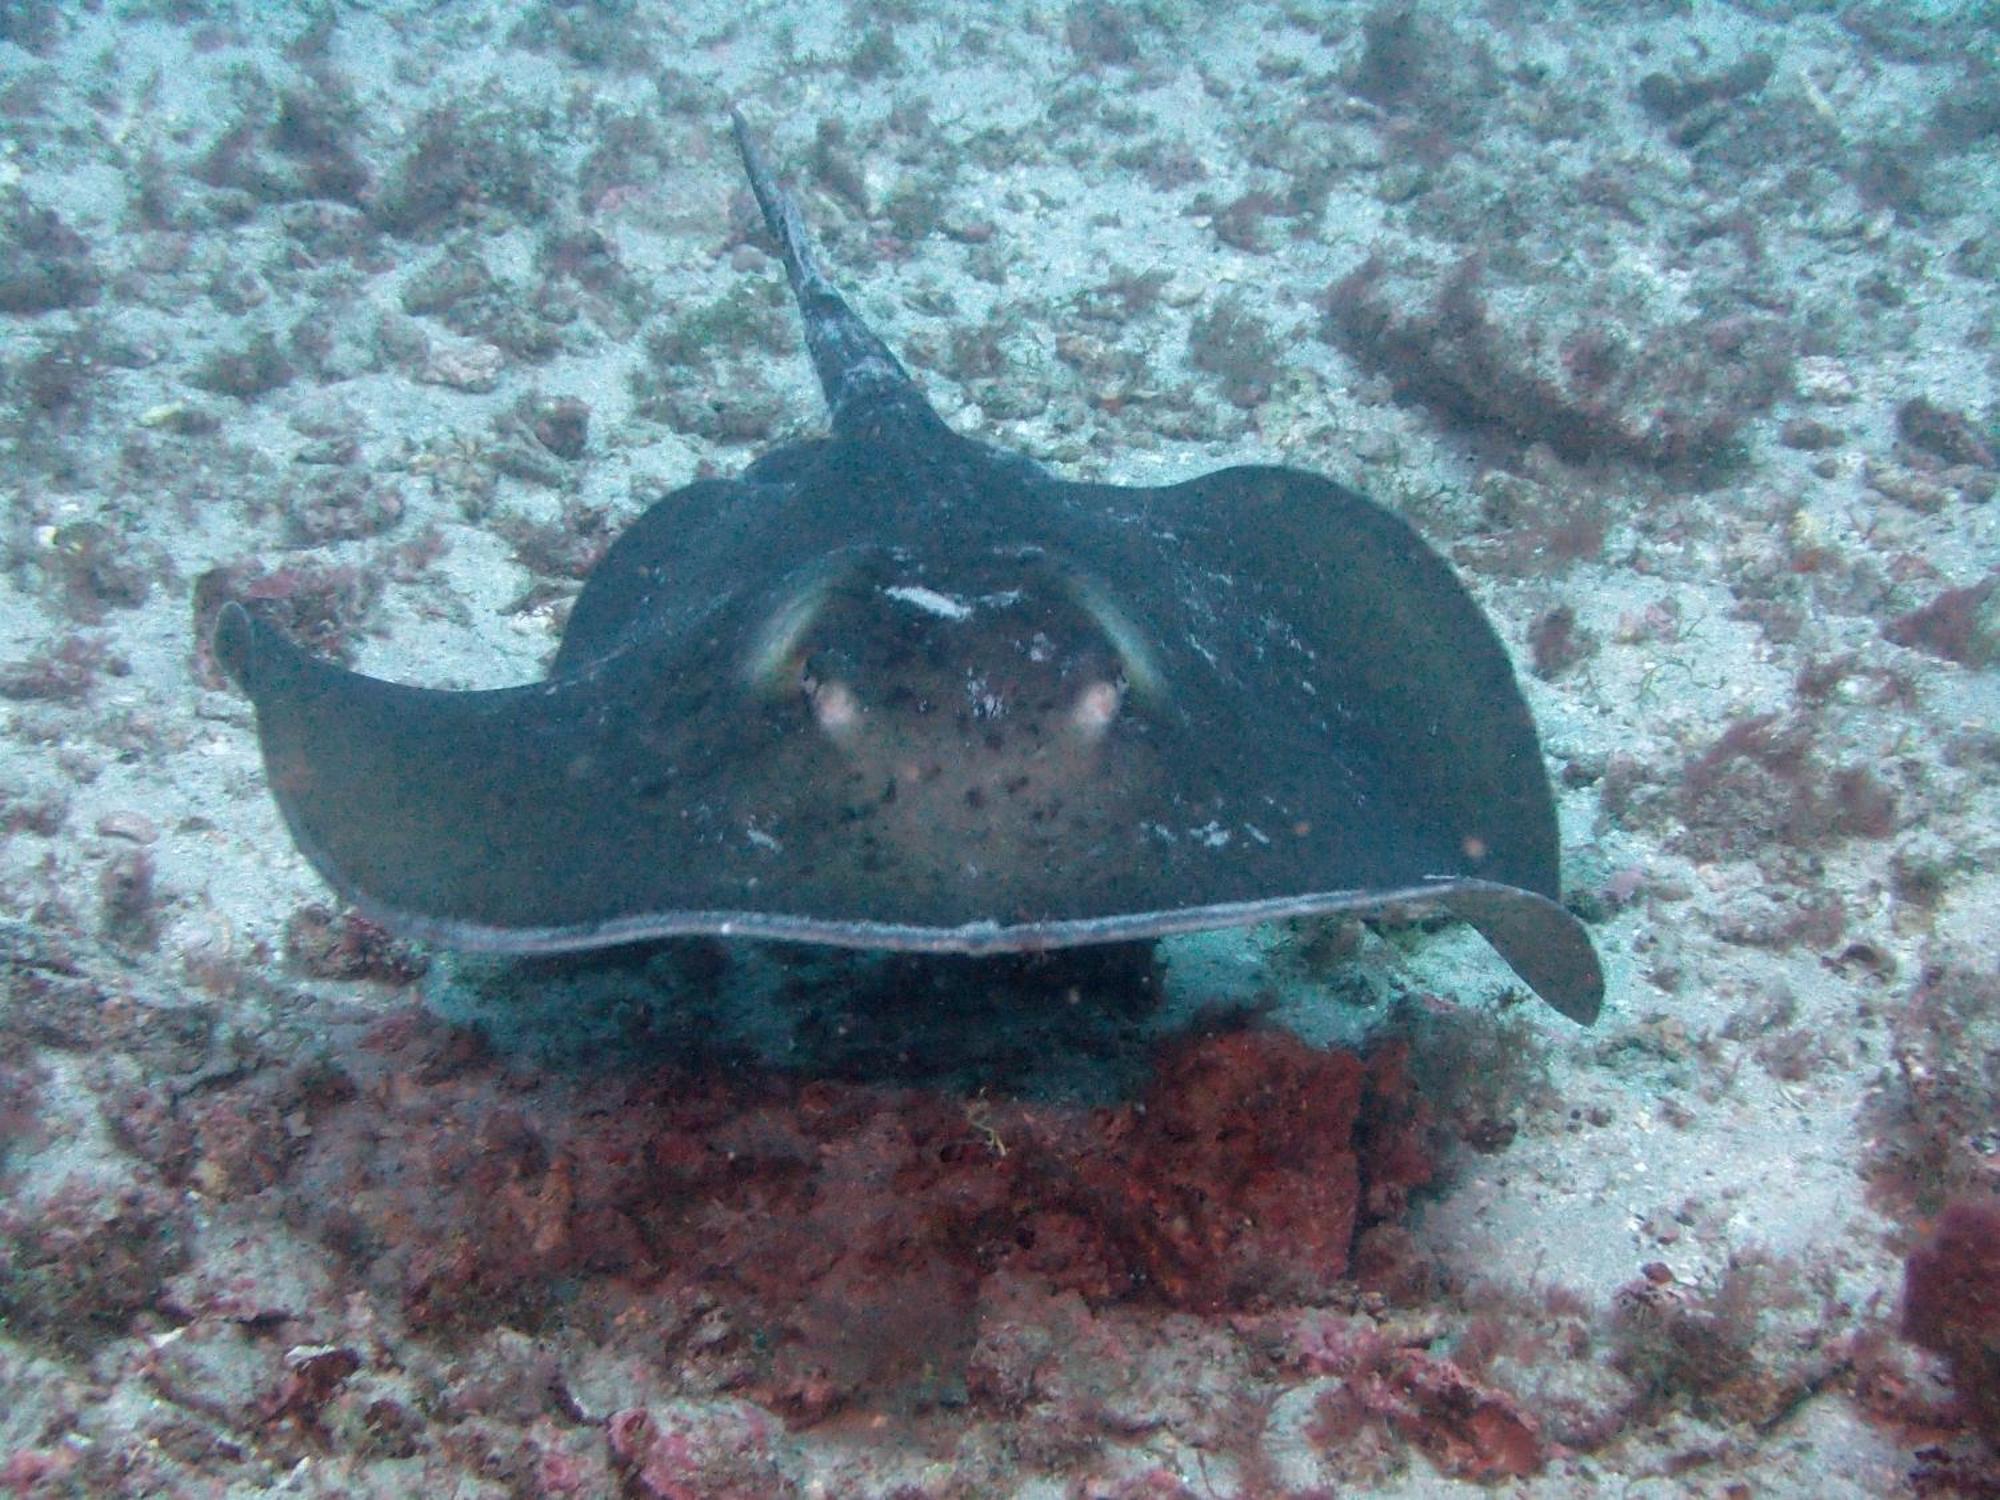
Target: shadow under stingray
(1077,1025)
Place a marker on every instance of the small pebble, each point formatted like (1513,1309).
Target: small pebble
(126,824)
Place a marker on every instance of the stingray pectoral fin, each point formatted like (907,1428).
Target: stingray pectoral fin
(464,816)
(1541,941)
(1337,612)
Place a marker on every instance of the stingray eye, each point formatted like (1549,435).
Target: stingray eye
(815,668)
(1138,670)
(777,647)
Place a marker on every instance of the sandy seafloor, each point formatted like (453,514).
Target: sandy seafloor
(1672,324)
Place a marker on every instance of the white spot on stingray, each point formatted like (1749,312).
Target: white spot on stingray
(836,708)
(930,601)
(1211,834)
(762,839)
(985,703)
(1095,707)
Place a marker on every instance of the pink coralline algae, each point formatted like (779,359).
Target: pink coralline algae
(1961,625)
(681,1452)
(320,606)
(326,944)
(76,1263)
(1600,381)
(842,1235)
(1951,1303)
(1468,1429)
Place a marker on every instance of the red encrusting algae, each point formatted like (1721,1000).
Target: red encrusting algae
(1951,1303)
(843,1235)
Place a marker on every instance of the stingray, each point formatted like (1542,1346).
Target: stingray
(896,688)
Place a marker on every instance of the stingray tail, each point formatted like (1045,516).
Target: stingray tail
(863,381)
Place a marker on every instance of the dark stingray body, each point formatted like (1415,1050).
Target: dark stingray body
(899,689)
